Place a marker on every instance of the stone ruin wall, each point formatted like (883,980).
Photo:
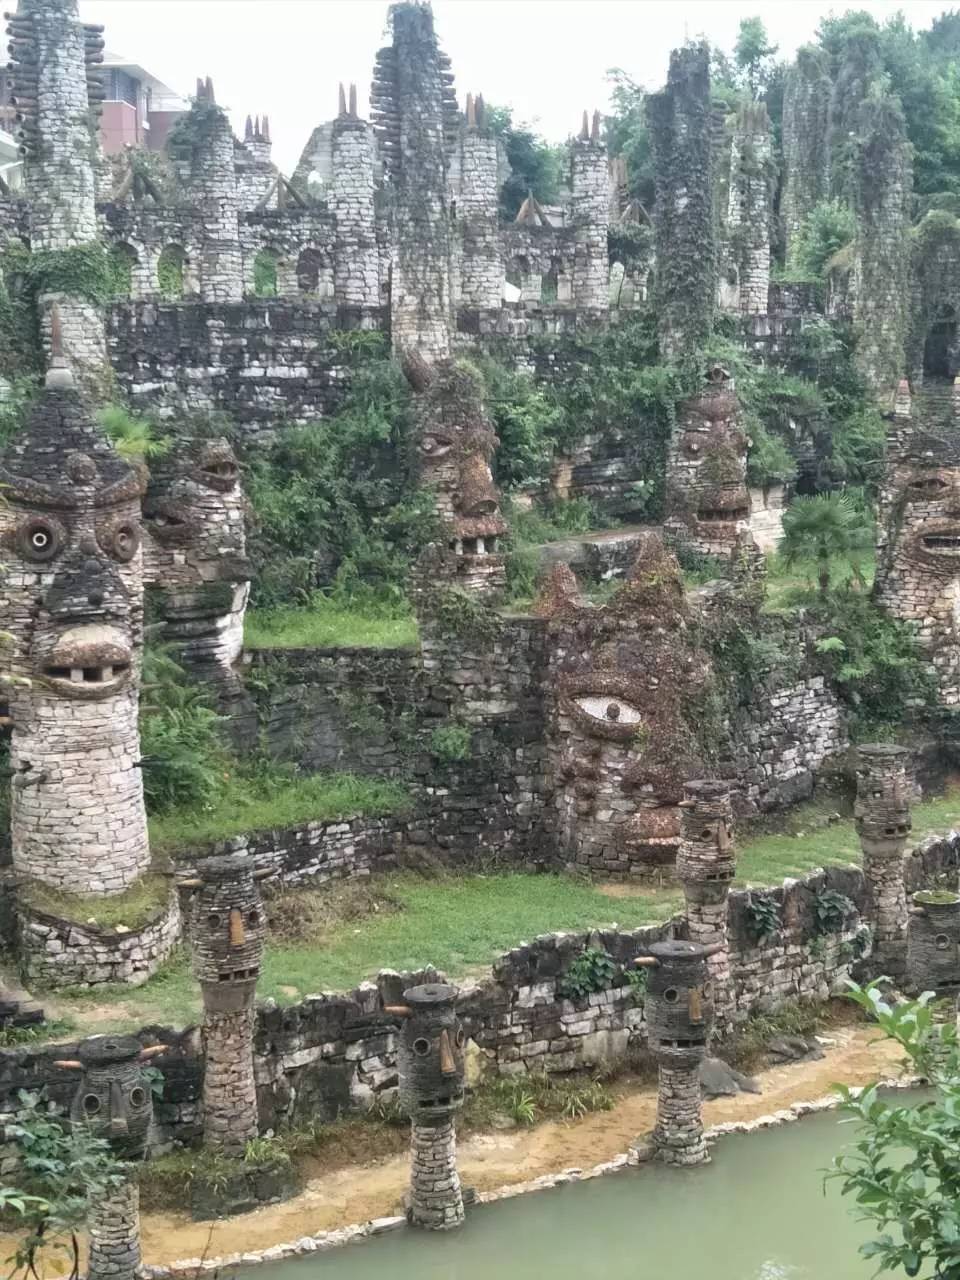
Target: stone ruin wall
(335,1051)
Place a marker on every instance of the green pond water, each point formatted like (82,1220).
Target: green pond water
(758,1211)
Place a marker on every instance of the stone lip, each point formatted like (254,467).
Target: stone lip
(88,662)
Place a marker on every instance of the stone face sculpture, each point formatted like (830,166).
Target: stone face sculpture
(707,499)
(455,445)
(933,942)
(72,599)
(624,682)
(918,557)
(679,1008)
(195,555)
(227,933)
(430,1061)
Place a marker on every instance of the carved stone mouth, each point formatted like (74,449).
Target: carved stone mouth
(938,542)
(88,662)
(92,681)
(942,543)
(722,515)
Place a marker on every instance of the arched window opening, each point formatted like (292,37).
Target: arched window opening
(309,266)
(265,273)
(122,258)
(170,267)
(617,273)
(941,358)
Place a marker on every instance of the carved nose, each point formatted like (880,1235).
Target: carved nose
(118,1121)
(237,933)
(448,1063)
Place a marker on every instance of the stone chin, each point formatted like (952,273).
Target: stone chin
(937,543)
(88,663)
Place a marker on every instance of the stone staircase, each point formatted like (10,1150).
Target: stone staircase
(932,405)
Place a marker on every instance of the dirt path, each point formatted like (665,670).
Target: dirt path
(494,1160)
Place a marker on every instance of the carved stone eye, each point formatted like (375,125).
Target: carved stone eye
(942,941)
(253,917)
(671,995)
(433,445)
(213,920)
(421,1047)
(138,1097)
(927,486)
(609,710)
(39,539)
(460,1037)
(120,540)
(91,1104)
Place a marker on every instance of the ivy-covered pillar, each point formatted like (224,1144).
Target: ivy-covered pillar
(806,164)
(681,137)
(227,932)
(57,93)
(114,1101)
(706,865)
(750,207)
(430,1062)
(679,1012)
(882,815)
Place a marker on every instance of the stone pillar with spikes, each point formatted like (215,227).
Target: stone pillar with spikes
(356,265)
(481,259)
(57,91)
(706,865)
(213,185)
(679,1012)
(882,815)
(227,931)
(114,1101)
(430,1060)
(590,206)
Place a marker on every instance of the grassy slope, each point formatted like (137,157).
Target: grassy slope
(322,624)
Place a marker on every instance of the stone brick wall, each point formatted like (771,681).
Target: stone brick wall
(338,1050)
(357,262)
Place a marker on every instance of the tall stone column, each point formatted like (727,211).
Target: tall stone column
(227,932)
(413,109)
(356,267)
(882,815)
(706,865)
(806,157)
(213,185)
(481,260)
(590,207)
(114,1101)
(679,1012)
(750,206)
(430,1059)
(72,598)
(57,91)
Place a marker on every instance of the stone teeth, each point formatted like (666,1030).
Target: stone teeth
(106,673)
(76,675)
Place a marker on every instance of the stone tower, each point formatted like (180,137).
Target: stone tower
(882,815)
(933,943)
(918,526)
(73,602)
(57,93)
(455,446)
(356,267)
(430,1061)
(208,166)
(227,931)
(706,865)
(684,223)
(114,1101)
(707,499)
(415,114)
(806,161)
(750,206)
(590,209)
(481,261)
(195,558)
(679,1012)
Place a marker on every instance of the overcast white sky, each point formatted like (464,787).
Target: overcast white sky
(546,58)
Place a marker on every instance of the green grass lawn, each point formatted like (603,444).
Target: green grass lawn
(261,804)
(323,624)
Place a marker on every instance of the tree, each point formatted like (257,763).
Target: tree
(823,528)
(753,54)
(628,135)
(904,1169)
(535,165)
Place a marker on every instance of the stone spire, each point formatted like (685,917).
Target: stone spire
(806,163)
(481,267)
(590,209)
(706,865)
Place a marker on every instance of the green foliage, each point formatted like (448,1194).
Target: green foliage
(331,502)
(823,528)
(636,980)
(381,622)
(627,134)
(64,1170)
(265,274)
(528,1099)
(451,743)
(753,54)
(525,419)
(120,262)
(134,434)
(769,461)
(84,271)
(457,613)
(531,527)
(535,165)
(592,970)
(763,918)
(184,756)
(829,227)
(830,910)
(170,265)
(903,1168)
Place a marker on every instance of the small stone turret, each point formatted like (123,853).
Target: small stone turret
(679,1011)
(590,208)
(430,1062)
(481,260)
(209,168)
(933,942)
(227,933)
(356,268)
(706,865)
(882,815)
(114,1101)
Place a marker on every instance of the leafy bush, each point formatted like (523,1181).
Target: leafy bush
(825,527)
(525,420)
(592,970)
(636,980)
(450,743)
(763,918)
(830,910)
(829,226)
(133,434)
